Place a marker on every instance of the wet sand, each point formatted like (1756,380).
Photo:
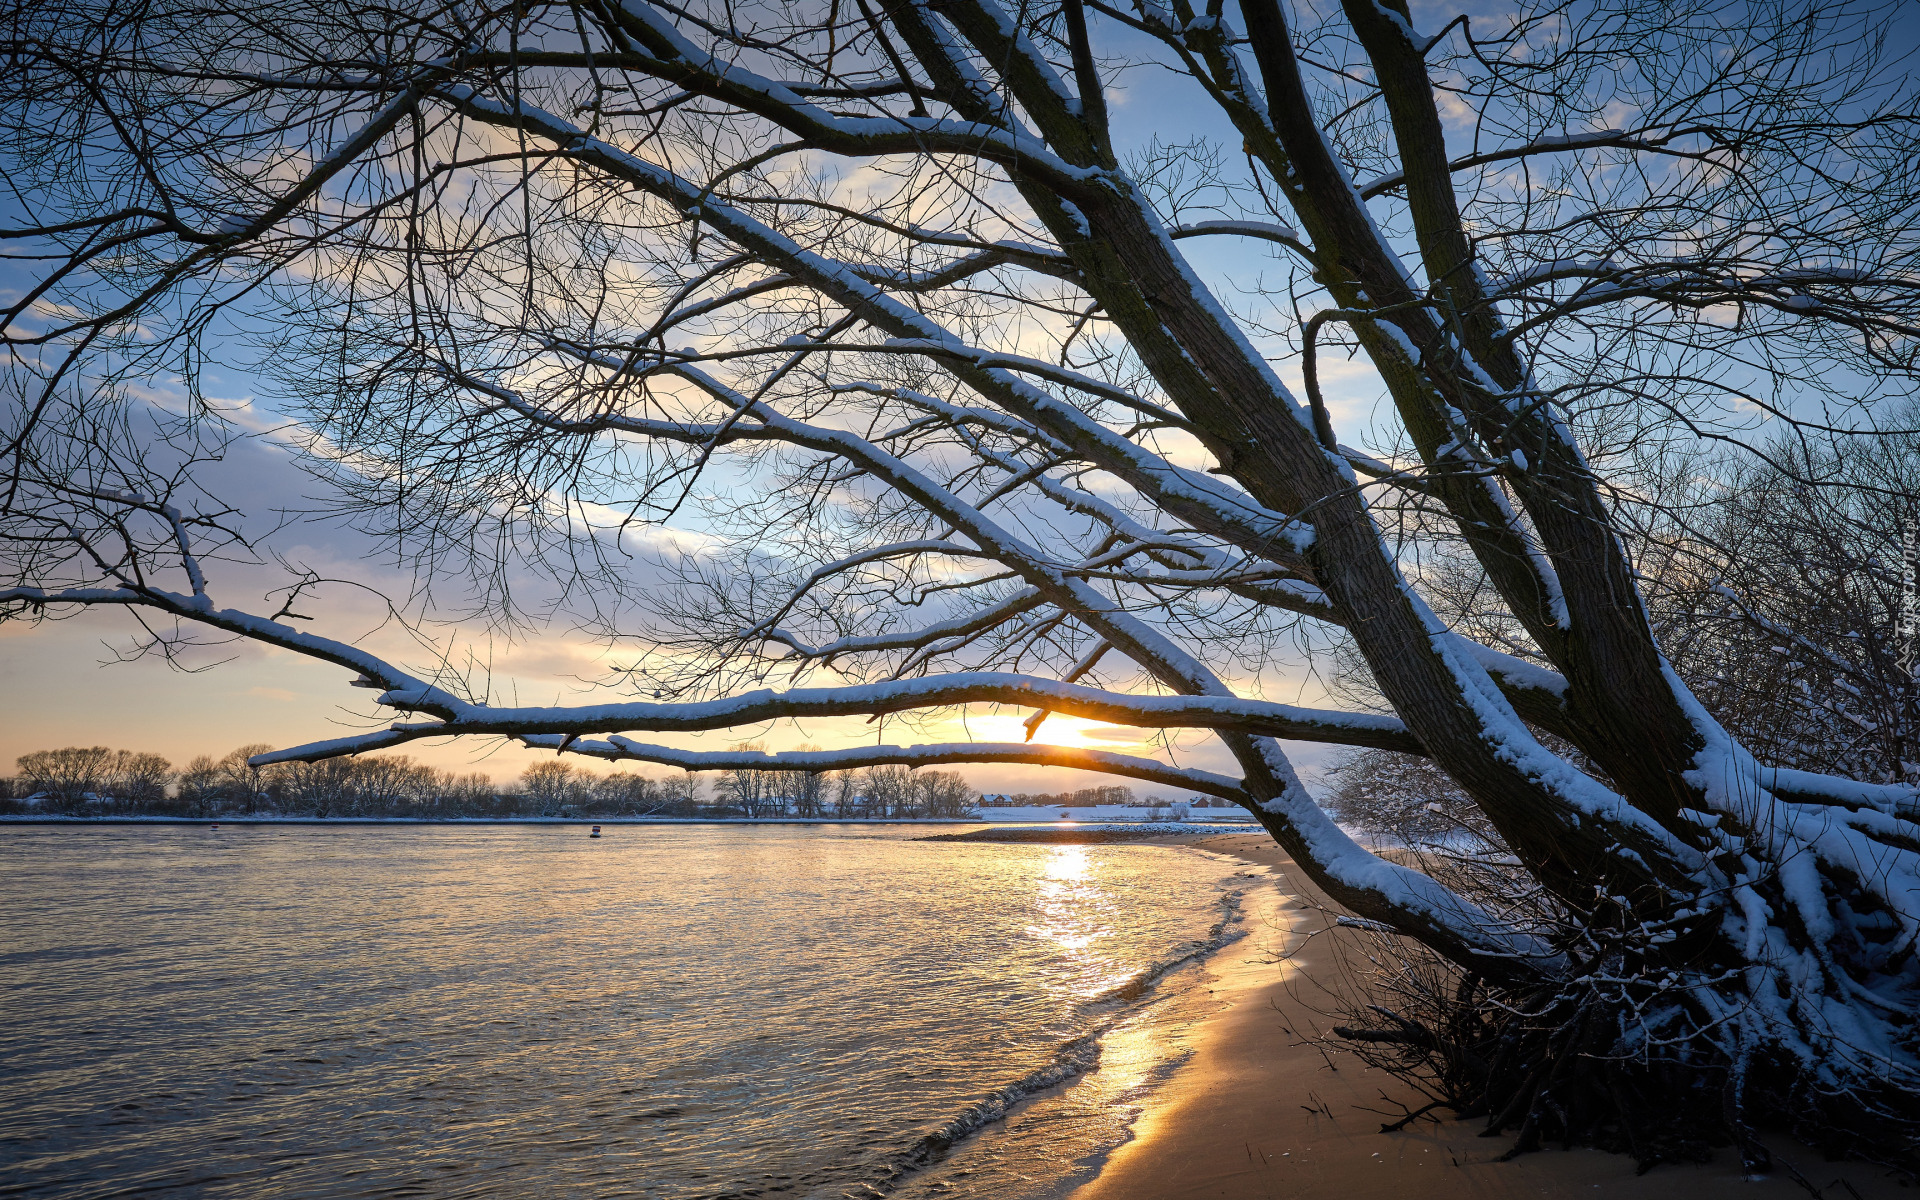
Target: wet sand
(1260,1113)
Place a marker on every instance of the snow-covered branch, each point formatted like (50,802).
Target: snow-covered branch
(625,749)
(940,691)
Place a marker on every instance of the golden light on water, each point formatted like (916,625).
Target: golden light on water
(1069,863)
(1072,910)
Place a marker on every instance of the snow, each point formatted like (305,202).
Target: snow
(1269,230)
(626,749)
(1207,711)
(1171,816)
(1412,896)
(1554,141)
(1515,671)
(1559,268)
(1798,840)
(1401,23)
(1148,471)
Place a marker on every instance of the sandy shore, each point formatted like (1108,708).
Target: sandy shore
(1259,1113)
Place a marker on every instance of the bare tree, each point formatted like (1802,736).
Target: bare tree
(811,790)
(539,277)
(942,793)
(889,791)
(95,774)
(200,785)
(139,778)
(682,792)
(630,795)
(848,801)
(212,785)
(1406,799)
(551,785)
(752,790)
(70,774)
(471,794)
(322,788)
(1774,594)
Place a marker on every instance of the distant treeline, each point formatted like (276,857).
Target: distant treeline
(1094,796)
(100,781)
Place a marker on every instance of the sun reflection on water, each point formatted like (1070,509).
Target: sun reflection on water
(675,1011)
(1075,914)
(1069,862)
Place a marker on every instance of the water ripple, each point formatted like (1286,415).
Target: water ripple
(681,1013)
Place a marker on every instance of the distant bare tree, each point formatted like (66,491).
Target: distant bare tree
(894,307)
(943,793)
(69,774)
(755,792)
(628,795)
(135,778)
(551,785)
(323,788)
(471,794)
(810,791)
(889,791)
(199,782)
(682,792)
(848,801)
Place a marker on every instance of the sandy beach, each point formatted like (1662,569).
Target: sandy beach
(1261,1113)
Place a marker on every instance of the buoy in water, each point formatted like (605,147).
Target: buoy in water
(215,827)
(596,832)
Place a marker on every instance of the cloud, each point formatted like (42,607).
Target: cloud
(1114,734)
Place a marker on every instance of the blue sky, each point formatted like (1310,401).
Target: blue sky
(55,690)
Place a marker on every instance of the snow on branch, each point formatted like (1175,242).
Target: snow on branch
(938,691)
(1266,231)
(33,597)
(678,61)
(1193,496)
(1052,373)
(625,749)
(424,696)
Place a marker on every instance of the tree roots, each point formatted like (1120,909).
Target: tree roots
(1655,1066)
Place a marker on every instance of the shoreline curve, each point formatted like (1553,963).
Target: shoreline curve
(1259,1112)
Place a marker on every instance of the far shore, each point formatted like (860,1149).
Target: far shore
(1084,835)
(1261,1113)
(1103,832)
(266,819)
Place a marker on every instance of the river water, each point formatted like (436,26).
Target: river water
(677,1012)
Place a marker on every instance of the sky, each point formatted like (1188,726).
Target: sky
(61,682)
(78,680)
(64,682)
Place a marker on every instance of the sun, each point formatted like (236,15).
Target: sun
(1057,730)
